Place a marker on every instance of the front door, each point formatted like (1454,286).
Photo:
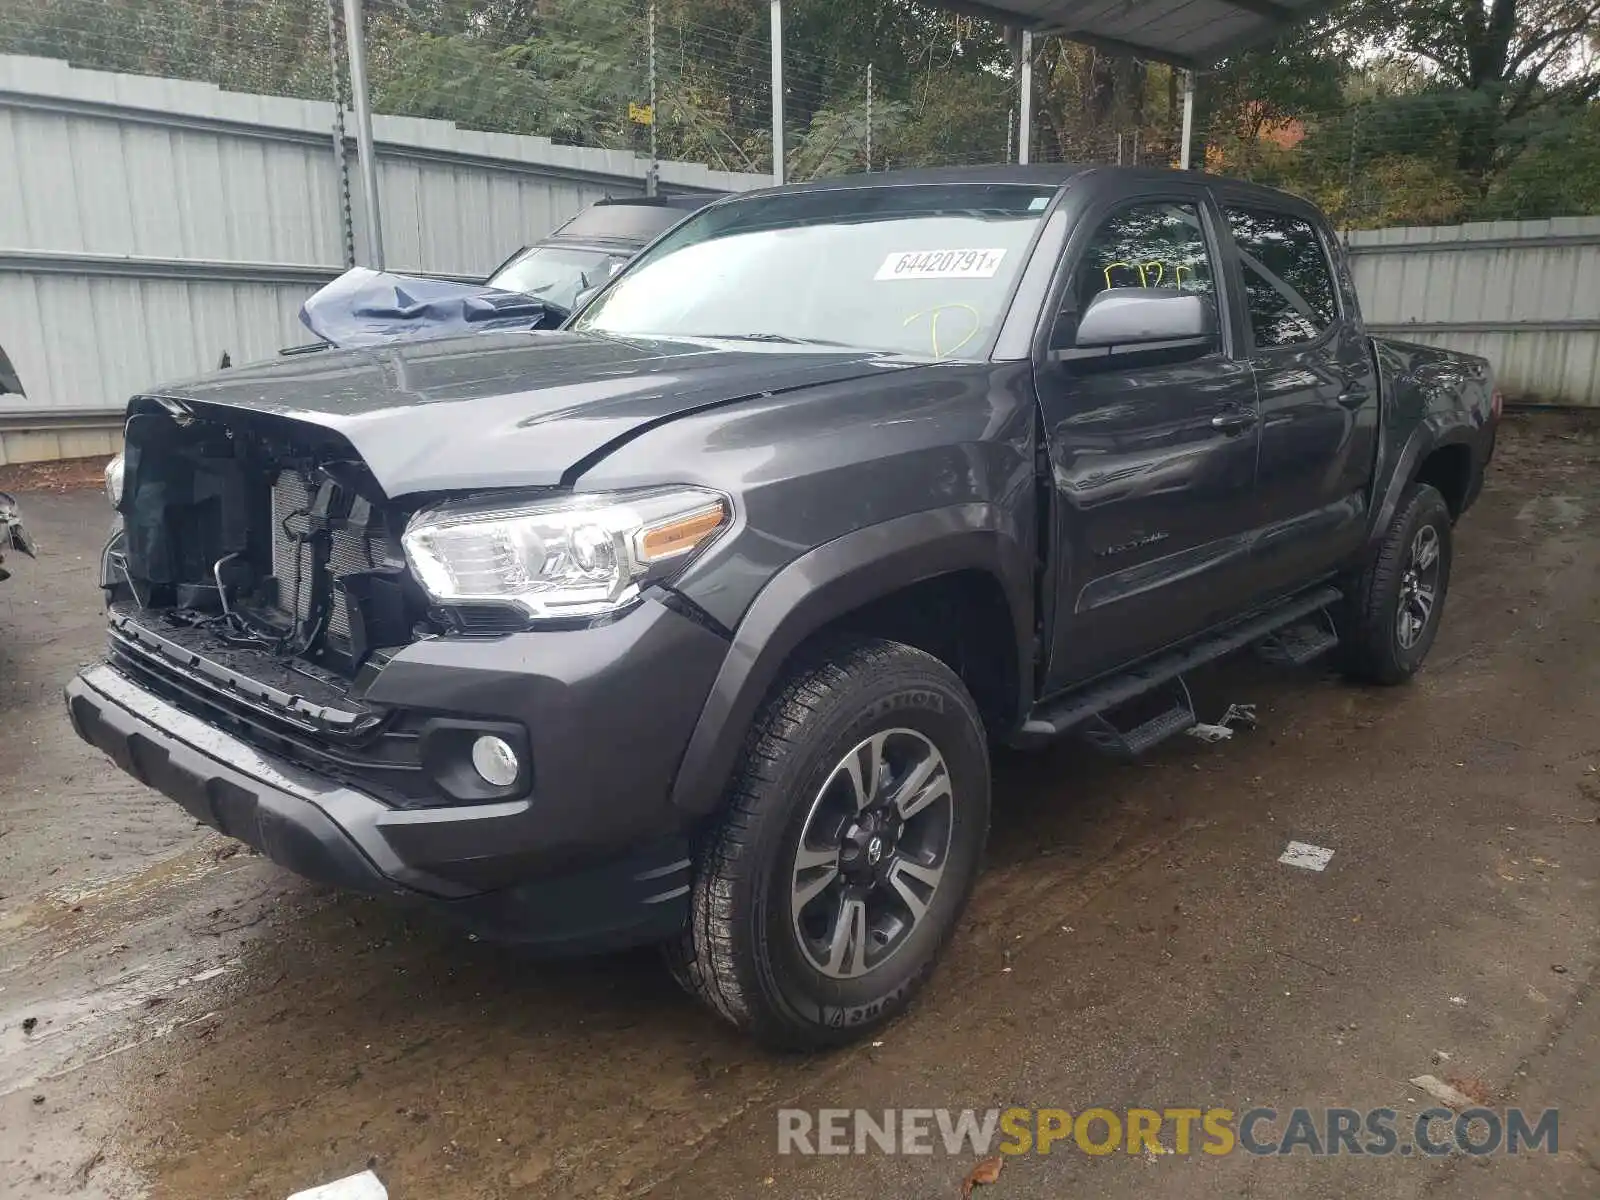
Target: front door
(1152,450)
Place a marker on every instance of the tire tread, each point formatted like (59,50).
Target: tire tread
(703,959)
(1369,651)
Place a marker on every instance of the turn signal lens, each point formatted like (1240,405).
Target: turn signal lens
(681,535)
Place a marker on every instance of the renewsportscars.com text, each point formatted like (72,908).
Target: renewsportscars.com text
(1320,1132)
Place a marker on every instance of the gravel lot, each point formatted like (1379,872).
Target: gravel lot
(181,1020)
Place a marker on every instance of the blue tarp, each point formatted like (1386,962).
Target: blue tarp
(364,308)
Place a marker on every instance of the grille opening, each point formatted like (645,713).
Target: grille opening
(269,534)
(358,542)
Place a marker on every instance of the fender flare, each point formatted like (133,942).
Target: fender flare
(826,583)
(1434,433)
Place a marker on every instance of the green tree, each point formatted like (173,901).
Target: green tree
(1509,73)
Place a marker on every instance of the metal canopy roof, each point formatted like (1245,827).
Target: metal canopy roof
(1187,33)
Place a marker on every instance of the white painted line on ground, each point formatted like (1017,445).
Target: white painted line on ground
(364,1186)
(1304,854)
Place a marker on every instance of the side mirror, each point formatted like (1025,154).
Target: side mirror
(1143,316)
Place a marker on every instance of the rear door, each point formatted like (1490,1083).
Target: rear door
(1317,385)
(1152,450)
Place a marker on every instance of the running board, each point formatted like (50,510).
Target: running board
(1051,718)
(1177,715)
(1302,642)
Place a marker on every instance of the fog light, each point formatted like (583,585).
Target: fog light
(495,760)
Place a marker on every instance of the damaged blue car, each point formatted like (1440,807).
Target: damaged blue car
(538,287)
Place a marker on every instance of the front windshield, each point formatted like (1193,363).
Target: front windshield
(921,270)
(557,273)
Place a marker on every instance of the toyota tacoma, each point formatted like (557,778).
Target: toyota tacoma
(695,621)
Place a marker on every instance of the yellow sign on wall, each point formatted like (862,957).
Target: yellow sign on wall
(641,114)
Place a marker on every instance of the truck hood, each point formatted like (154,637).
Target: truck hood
(510,410)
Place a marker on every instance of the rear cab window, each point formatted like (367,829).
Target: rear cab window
(1288,280)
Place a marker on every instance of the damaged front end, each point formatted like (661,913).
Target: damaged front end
(268,536)
(258,582)
(371,688)
(12,535)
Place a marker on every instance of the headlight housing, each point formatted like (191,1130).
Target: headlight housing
(573,556)
(115,470)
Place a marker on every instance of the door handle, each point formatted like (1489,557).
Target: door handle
(1234,422)
(1354,398)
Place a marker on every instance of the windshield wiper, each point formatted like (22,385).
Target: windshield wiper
(781,338)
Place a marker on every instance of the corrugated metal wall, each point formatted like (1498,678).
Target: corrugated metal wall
(1524,294)
(149,225)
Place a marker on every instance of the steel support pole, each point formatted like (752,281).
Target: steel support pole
(777,92)
(869,116)
(356,39)
(652,181)
(1188,120)
(341,160)
(1025,108)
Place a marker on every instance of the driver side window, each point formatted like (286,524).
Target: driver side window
(1157,245)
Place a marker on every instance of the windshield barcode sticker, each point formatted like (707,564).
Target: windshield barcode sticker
(941,264)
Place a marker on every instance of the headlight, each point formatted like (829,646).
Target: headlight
(114,472)
(576,556)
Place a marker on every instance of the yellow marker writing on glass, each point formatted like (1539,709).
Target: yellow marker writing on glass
(934,314)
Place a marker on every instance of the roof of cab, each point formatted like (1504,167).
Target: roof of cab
(1054,175)
(1040,175)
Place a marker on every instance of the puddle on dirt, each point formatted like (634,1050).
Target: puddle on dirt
(45,1037)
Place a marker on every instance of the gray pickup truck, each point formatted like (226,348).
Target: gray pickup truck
(695,621)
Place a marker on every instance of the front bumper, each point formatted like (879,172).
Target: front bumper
(594,856)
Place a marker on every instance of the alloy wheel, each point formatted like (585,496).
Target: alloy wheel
(1419,588)
(872,853)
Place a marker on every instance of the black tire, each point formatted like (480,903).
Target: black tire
(744,953)
(1375,649)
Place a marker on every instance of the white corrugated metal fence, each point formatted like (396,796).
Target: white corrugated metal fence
(1523,294)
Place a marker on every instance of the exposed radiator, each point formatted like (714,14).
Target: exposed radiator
(360,544)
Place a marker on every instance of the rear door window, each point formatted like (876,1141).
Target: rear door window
(1288,283)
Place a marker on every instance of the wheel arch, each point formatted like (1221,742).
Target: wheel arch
(1447,469)
(856,583)
(1436,452)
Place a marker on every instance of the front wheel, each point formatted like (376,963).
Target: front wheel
(1395,612)
(847,851)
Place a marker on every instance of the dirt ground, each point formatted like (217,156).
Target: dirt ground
(178,1020)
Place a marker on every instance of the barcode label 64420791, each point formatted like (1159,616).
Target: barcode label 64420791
(941,264)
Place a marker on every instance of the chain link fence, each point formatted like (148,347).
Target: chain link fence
(271,47)
(868,86)
(1414,160)
(693,80)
